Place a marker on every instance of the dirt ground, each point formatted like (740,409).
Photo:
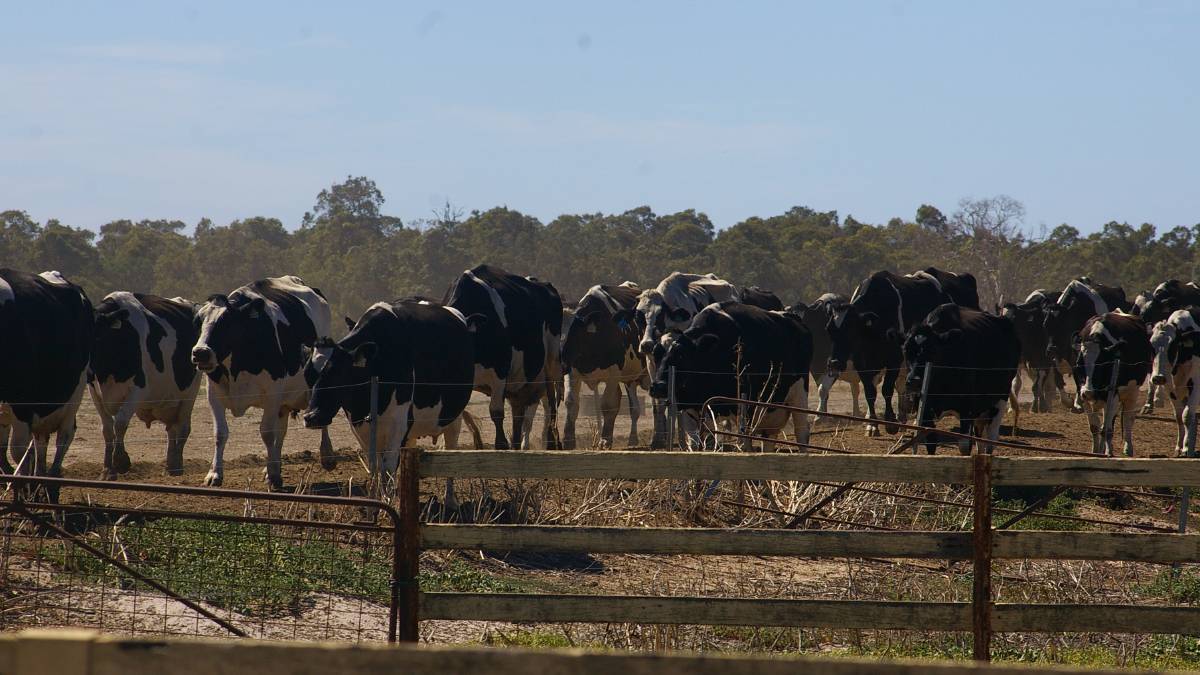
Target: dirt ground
(147,447)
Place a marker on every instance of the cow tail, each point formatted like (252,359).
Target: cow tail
(473,425)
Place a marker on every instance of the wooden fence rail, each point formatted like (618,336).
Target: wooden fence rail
(981,616)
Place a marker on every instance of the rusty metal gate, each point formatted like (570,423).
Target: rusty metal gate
(152,559)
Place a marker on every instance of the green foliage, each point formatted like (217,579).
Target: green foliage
(350,248)
(1062,505)
(1175,586)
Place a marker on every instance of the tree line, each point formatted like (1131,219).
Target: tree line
(358,255)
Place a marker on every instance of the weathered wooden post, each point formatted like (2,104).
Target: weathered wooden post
(981,537)
(406,593)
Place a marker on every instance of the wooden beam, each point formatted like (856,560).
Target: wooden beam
(935,616)
(1103,471)
(699,541)
(1020,618)
(1047,545)
(694,465)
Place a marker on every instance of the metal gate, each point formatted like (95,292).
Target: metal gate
(172,560)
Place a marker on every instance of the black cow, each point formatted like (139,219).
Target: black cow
(772,352)
(761,298)
(423,356)
(1028,318)
(1080,300)
(973,357)
(254,345)
(45,346)
(516,346)
(1112,338)
(868,331)
(600,348)
(816,317)
(141,366)
(1168,297)
(961,287)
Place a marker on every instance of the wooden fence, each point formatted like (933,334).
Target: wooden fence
(981,616)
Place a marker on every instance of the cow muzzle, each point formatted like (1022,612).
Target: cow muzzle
(1158,379)
(204,359)
(646,346)
(1087,394)
(313,419)
(658,389)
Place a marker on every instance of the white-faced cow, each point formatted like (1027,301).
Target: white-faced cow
(1176,345)
(670,306)
(600,348)
(141,366)
(973,357)
(1108,340)
(45,344)
(1028,318)
(254,344)
(740,351)
(870,329)
(1080,300)
(516,346)
(816,318)
(423,356)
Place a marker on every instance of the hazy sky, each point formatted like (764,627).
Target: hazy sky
(1085,111)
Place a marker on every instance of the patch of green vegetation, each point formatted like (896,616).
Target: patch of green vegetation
(1160,652)
(1062,505)
(538,639)
(245,567)
(1177,586)
(458,577)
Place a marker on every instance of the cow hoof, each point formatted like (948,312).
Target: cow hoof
(658,445)
(213,479)
(892,429)
(1078,410)
(568,444)
(503,446)
(108,474)
(274,483)
(872,431)
(604,444)
(328,462)
(121,463)
(1147,409)
(175,471)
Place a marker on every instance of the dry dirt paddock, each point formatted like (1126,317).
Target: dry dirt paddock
(146,446)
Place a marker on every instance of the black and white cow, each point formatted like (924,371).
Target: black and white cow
(672,304)
(254,344)
(1176,345)
(1028,318)
(961,287)
(771,350)
(601,349)
(516,346)
(423,356)
(141,366)
(1166,298)
(979,354)
(1080,300)
(761,298)
(816,318)
(1112,338)
(45,344)
(869,330)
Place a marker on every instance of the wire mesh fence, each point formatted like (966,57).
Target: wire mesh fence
(169,560)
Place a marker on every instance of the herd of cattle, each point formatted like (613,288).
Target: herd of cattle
(269,345)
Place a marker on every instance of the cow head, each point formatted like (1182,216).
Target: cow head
(222,326)
(1172,341)
(1096,353)
(340,383)
(1059,335)
(658,318)
(695,360)
(924,345)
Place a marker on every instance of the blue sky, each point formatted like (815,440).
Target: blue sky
(1085,111)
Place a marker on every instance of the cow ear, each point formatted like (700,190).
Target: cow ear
(475,322)
(113,319)
(624,318)
(707,342)
(349,322)
(869,318)
(255,308)
(364,353)
(679,315)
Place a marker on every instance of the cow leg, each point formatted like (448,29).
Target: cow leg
(992,429)
(824,386)
(109,433)
(19,447)
(799,398)
(1188,421)
(216,473)
(658,410)
(574,388)
(62,442)
(120,458)
(496,410)
(635,412)
(5,465)
(177,436)
(889,386)
(1152,393)
(450,434)
(965,426)
(1129,412)
(610,403)
(519,409)
(868,384)
(855,394)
